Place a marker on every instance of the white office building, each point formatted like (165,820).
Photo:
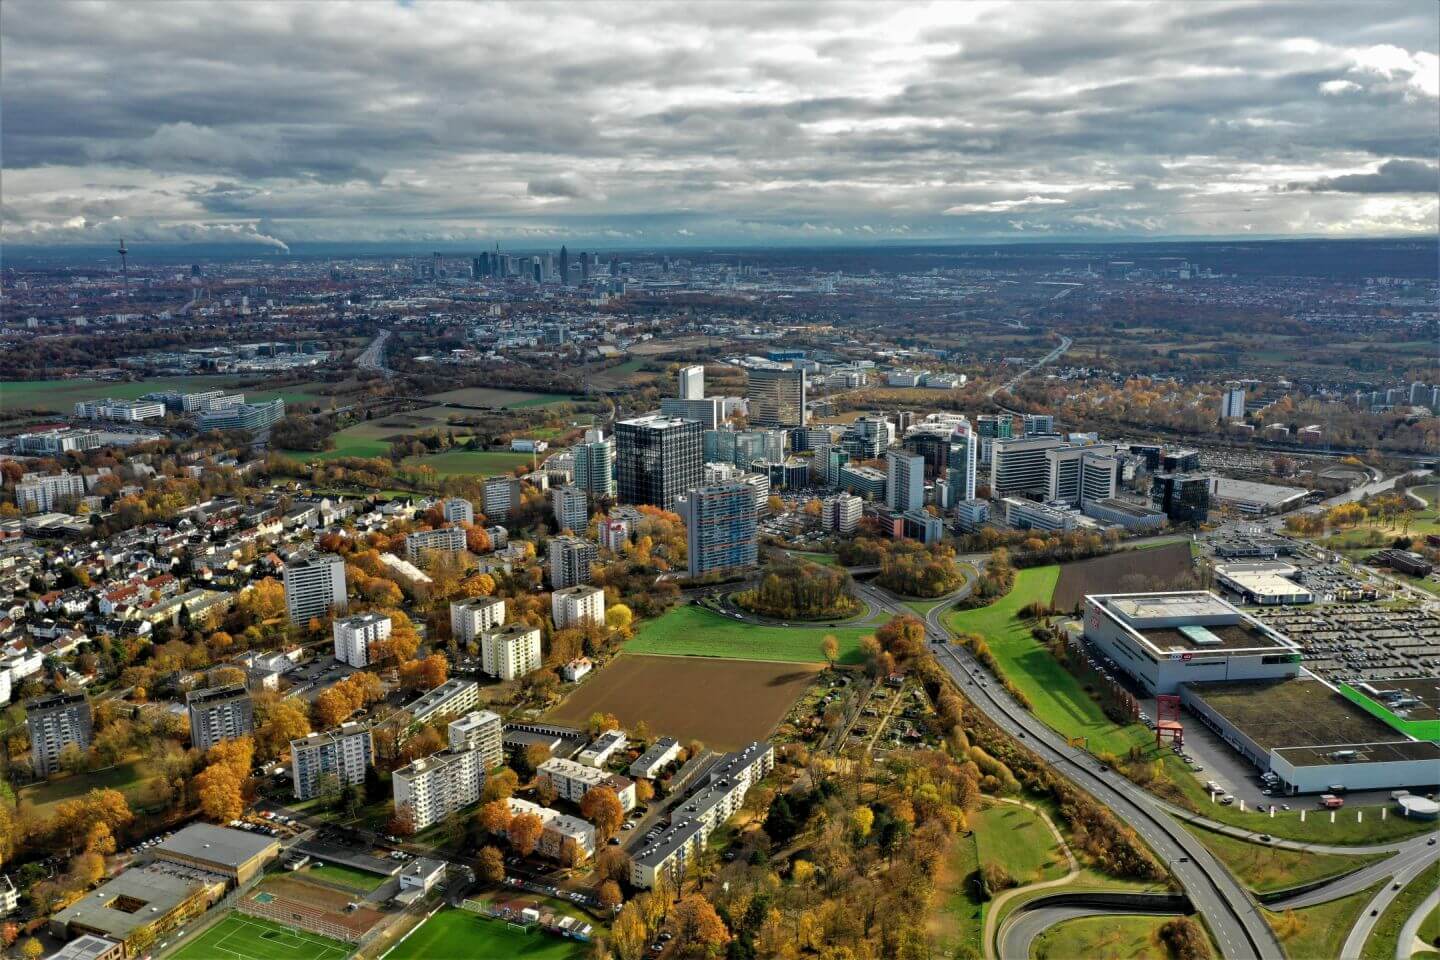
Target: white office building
(842,512)
(511,651)
(1232,405)
(1022,465)
(354,635)
(904,481)
(692,382)
(573,606)
(314,586)
(470,618)
(129,411)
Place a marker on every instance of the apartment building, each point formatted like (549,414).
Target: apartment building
(510,651)
(720,527)
(451,697)
(314,586)
(436,786)
(569,560)
(571,508)
(481,731)
(55,722)
(218,714)
(502,494)
(450,540)
(594,460)
(574,606)
(904,481)
(42,493)
(346,752)
(842,512)
(457,510)
(470,618)
(573,780)
(354,635)
(599,751)
(661,754)
(562,837)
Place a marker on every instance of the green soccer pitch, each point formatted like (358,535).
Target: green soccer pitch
(239,937)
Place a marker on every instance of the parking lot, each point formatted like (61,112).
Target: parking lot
(1361,642)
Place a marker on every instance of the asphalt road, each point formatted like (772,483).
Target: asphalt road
(1050,357)
(1370,916)
(1021,930)
(1233,917)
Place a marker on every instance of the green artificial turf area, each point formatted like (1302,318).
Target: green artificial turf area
(239,937)
(1016,838)
(1055,694)
(347,877)
(1386,935)
(62,395)
(461,935)
(694,631)
(132,779)
(1115,937)
(1318,932)
(1265,868)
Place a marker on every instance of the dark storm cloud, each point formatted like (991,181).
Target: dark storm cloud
(1393,176)
(778,121)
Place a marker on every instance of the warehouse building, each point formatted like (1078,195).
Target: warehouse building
(1264,582)
(1166,639)
(231,853)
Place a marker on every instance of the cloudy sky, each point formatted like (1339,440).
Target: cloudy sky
(754,122)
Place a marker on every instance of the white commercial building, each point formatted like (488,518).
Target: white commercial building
(354,635)
(470,618)
(842,512)
(1164,640)
(126,410)
(511,651)
(346,753)
(1265,582)
(578,605)
(314,586)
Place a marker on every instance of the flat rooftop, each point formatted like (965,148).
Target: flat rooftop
(1425,690)
(1293,712)
(1198,639)
(1267,494)
(1188,622)
(1151,606)
(1341,753)
(131,900)
(204,841)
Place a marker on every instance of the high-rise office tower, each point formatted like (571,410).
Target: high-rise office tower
(657,459)
(904,481)
(776,396)
(1067,473)
(1021,465)
(692,382)
(932,443)
(720,527)
(564,264)
(1233,404)
(595,464)
(314,586)
(220,713)
(1038,423)
(995,426)
(1183,497)
(54,723)
(961,467)
(570,559)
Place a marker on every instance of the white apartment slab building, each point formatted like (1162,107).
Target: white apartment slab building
(511,651)
(449,540)
(561,833)
(573,606)
(481,731)
(354,636)
(314,586)
(470,618)
(436,786)
(346,752)
(573,780)
(39,492)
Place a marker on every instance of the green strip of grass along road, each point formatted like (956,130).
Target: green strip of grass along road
(1265,868)
(1386,935)
(1114,937)
(1319,932)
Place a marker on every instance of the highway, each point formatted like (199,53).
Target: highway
(1025,925)
(1370,916)
(1233,917)
(374,356)
(1050,357)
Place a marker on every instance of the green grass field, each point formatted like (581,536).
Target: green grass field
(1018,839)
(460,935)
(349,878)
(132,779)
(1115,937)
(959,917)
(1264,868)
(1056,694)
(1318,932)
(824,559)
(239,937)
(697,632)
(62,395)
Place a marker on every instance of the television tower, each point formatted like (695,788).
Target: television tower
(124,270)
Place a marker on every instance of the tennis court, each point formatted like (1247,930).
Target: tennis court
(239,937)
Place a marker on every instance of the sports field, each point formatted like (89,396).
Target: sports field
(692,631)
(724,703)
(460,935)
(239,937)
(134,779)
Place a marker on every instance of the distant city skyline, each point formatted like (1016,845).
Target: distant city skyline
(670,125)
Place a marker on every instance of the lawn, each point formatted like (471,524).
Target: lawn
(1114,937)
(1055,694)
(131,779)
(1320,931)
(824,559)
(960,918)
(1386,935)
(1019,840)
(460,935)
(694,631)
(62,395)
(339,875)
(239,937)
(480,463)
(1265,869)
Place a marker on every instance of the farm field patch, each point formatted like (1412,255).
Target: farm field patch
(724,703)
(1129,571)
(62,395)
(480,463)
(693,631)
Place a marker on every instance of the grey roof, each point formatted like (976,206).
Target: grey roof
(204,841)
(84,948)
(159,893)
